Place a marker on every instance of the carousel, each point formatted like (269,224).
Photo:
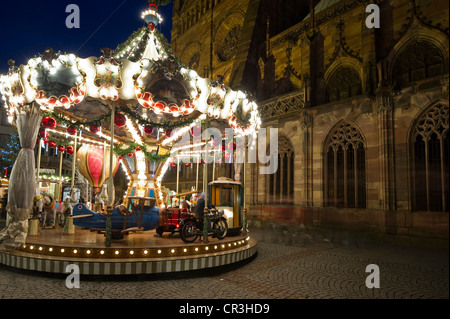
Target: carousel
(139,110)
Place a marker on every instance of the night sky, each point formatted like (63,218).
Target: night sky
(29,27)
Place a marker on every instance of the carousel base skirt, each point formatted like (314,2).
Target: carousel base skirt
(53,251)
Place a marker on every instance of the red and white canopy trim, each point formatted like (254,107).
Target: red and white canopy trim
(158,81)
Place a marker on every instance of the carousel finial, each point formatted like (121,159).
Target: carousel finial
(48,54)
(107,52)
(151,15)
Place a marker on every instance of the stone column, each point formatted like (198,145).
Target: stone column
(386,155)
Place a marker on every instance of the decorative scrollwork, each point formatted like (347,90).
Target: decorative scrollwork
(433,121)
(344,135)
(229,44)
(283,105)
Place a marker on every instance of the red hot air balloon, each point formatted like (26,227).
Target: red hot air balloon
(90,162)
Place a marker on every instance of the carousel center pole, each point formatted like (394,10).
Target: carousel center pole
(178,172)
(205,190)
(73,161)
(196,179)
(110,181)
(60,195)
(244,182)
(38,165)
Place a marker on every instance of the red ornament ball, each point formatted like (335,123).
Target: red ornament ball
(43,134)
(70,149)
(71,130)
(48,122)
(46,140)
(130,154)
(138,148)
(196,131)
(119,120)
(232,146)
(148,129)
(168,132)
(61,148)
(94,128)
(52,144)
(173,164)
(187,164)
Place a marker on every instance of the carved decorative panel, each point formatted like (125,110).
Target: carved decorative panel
(418,61)
(282,105)
(343,83)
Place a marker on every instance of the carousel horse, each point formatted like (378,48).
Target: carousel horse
(99,204)
(66,211)
(38,204)
(49,209)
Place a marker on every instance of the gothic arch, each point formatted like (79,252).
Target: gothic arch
(343,81)
(226,35)
(428,144)
(344,61)
(189,54)
(418,33)
(344,166)
(281,183)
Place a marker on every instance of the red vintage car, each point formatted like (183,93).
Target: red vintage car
(170,220)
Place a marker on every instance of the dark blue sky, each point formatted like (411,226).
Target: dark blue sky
(28,27)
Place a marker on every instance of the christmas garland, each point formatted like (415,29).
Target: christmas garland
(60,118)
(165,125)
(140,148)
(160,3)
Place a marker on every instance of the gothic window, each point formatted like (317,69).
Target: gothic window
(229,44)
(420,60)
(193,61)
(430,151)
(345,168)
(343,83)
(281,183)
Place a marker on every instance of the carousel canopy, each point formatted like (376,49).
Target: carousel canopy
(150,90)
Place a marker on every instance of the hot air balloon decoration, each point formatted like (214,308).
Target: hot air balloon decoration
(94,167)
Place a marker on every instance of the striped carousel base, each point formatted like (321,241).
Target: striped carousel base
(145,253)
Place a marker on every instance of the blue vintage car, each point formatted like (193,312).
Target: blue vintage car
(121,218)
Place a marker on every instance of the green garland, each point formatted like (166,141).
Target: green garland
(132,147)
(60,142)
(106,117)
(160,3)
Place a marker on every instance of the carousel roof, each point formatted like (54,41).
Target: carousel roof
(150,89)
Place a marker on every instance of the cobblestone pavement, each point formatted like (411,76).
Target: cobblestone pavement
(289,265)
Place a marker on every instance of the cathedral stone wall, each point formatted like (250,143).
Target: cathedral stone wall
(327,73)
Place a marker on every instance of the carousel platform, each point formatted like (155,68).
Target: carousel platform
(139,253)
